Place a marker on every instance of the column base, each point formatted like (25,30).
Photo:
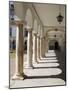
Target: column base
(29,67)
(19,77)
(35,61)
(43,56)
(38,59)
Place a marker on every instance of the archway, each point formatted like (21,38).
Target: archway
(29,25)
(56,45)
(28,38)
(29,18)
(53,45)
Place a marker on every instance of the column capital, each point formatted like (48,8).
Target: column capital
(29,29)
(38,35)
(42,37)
(35,34)
(13,22)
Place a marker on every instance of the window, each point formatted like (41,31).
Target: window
(12,11)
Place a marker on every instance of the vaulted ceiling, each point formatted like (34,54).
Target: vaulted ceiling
(48,14)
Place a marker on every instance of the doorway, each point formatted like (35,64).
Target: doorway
(56,45)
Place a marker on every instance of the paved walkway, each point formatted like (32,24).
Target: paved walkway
(46,73)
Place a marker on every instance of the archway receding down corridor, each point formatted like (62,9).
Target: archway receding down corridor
(56,45)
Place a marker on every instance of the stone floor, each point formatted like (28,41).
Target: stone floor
(48,72)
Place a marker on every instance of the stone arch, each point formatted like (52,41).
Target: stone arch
(35,26)
(62,30)
(29,18)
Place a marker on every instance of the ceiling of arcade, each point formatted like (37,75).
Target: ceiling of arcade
(46,14)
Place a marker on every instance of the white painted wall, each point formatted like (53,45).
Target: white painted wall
(18,7)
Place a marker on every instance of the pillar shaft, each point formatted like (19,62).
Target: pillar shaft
(29,49)
(44,46)
(19,53)
(38,47)
(34,47)
(41,47)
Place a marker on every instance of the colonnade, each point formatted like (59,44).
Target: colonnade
(35,50)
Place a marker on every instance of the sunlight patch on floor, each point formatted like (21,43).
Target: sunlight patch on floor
(46,65)
(43,60)
(42,72)
(52,51)
(51,58)
(50,54)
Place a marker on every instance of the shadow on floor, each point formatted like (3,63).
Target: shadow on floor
(46,62)
(50,56)
(44,67)
(42,77)
(61,55)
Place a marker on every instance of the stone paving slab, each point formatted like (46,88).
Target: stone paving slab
(50,54)
(36,82)
(46,61)
(46,65)
(49,58)
(42,72)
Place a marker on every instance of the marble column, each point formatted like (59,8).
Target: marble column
(47,47)
(34,47)
(44,46)
(19,53)
(29,49)
(41,47)
(38,47)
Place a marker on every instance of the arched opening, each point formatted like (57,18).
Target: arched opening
(28,38)
(29,18)
(29,24)
(51,45)
(56,45)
